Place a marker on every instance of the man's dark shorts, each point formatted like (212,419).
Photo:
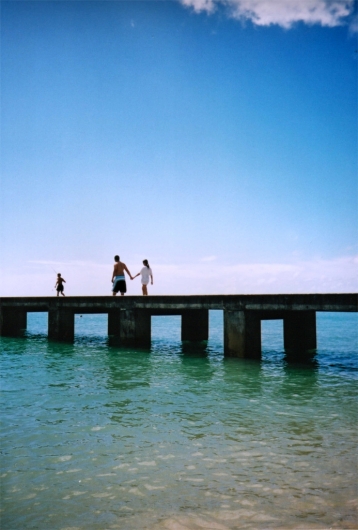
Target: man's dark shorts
(119,284)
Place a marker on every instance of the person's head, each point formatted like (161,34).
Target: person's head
(59,274)
(145,262)
(116,258)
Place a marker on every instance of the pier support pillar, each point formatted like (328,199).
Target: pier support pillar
(299,331)
(131,327)
(13,322)
(114,323)
(242,334)
(195,324)
(61,325)
(143,322)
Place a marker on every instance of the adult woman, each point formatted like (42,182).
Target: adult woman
(146,274)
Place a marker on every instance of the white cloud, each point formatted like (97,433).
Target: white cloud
(200,5)
(284,13)
(210,277)
(315,276)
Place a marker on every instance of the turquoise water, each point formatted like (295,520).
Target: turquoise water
(96,437)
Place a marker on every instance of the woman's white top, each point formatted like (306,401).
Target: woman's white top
(146,273)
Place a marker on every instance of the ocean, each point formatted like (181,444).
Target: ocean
(97,437)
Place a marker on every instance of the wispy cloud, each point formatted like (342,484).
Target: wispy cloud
(337,275)
(315,276)
(72,263)
(284,13)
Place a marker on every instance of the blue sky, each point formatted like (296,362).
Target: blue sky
(217,140)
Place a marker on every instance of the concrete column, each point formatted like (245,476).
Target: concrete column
(135,327)
(127,327)
(13,322)
(143,328)
(299,331)
(242,334)
(195,324)
(114,323)
(61,325)
(253,335)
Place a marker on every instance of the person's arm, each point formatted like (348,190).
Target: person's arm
(136,275)
(63,280)
(113,275)
(151,278)
(126,269)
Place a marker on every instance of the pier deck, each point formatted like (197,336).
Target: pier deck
(129,317)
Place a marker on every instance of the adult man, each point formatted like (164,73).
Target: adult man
(118,278)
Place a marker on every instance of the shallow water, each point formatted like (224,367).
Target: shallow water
(96,437)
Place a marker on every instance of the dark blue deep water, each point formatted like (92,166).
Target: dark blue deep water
(96,437)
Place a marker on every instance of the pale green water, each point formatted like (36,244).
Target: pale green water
(95,437)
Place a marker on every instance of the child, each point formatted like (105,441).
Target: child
(59,285)
(146,273)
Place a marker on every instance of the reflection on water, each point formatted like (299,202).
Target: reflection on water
(98,437)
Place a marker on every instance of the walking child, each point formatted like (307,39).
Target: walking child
(59,284)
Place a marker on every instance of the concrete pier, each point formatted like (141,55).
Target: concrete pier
(129,317)
(13,321)
(134,328)
(61,324)
(242,334)
(195,324)
(299,331)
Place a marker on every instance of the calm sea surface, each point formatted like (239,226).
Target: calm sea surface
(96,437)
